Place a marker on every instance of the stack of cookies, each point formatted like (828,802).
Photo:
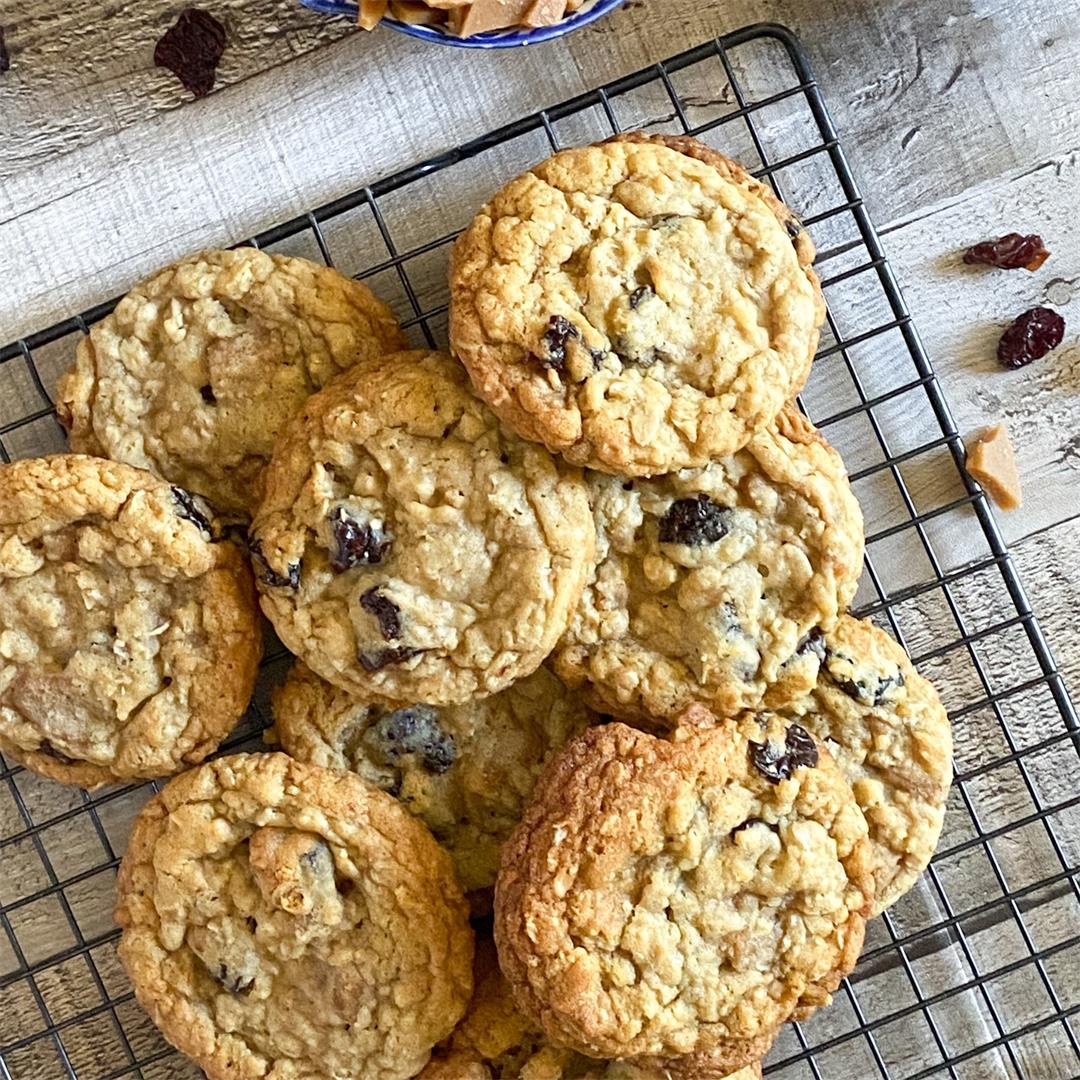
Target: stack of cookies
(587,772)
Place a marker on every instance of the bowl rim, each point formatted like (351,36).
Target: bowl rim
(493,39)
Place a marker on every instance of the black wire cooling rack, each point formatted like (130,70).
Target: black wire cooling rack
(976,973)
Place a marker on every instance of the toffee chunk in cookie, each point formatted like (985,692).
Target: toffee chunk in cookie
(640,306)
(199,367)
(684,896)
(712,585)
(465,770)
(409,549)
(129,641)
(283,920)
(887,729)
(495,1041)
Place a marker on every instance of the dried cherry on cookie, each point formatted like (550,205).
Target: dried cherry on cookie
(799,751)
(414,730)
(695,522)
(386,612)
(357,543)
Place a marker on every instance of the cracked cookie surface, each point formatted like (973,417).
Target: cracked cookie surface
(200,366)
(466,771)
(640,306)
(410,549)
(282,921)
(494,1041)
(712,585)
(685,896)
(129,642)
(890,735)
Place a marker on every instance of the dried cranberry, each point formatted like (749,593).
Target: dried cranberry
(359,543)
(695,522)
(191,49)
(639,296)
(269,576)
(413,730)
(800,751)
(189,509)
(385,611)
(5,56)
(376,661)
(207,394)
(1031,337)
(794,228)
(556,336)
(1010,252)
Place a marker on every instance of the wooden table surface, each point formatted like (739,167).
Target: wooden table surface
(960,118)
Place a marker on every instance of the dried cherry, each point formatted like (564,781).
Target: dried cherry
(376,661)
(189,510)
(560,330)
(1009,252)
(799,752)
(386,612)
(1031,337)
(358,543)
(414,730)
(191,49)
(695,522)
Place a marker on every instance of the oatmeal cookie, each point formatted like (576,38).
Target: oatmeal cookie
(640,306)
(496,1042)
(465,770)
(283,920)
(408,548)
(685,896)
(199,367)
(129,642)
(712,585)
(887,729)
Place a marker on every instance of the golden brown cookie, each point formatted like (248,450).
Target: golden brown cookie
(283,920)
(465,771)
(199,367)
(712,585)
(410,549)
(684,896)
(640,306)
(495,1041)
(129,641)
(890,735)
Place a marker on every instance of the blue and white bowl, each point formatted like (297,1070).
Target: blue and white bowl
(494,39)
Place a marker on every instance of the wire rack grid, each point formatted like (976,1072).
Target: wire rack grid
(976,973)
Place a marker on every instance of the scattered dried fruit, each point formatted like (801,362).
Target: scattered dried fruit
(992,462)
(695,522)
(800,751)
(1010,252)
(1031,337)
(191,50)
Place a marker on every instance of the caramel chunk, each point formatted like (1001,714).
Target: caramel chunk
(371,12)
(992,462)
(544,13)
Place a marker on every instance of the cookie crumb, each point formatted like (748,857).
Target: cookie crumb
(992,462)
